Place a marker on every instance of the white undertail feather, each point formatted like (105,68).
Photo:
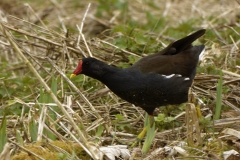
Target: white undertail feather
(201,54)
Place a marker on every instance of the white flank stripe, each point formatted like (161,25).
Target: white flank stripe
(170,76)
(186,79)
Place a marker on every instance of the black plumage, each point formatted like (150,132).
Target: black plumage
(159,79)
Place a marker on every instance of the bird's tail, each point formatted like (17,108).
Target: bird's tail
(186,42)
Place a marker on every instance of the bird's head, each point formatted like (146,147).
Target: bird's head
(90,67)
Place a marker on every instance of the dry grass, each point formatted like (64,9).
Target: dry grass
(48,43)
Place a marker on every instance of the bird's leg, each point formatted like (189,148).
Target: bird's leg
(150,122)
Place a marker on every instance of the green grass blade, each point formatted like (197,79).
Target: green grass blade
(54,84)
(45,98)
(149,137)
(219,98)
(146,120)
(3,135)
(99,132)
(19,137)
(33,129)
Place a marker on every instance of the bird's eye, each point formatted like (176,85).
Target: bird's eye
(86,63)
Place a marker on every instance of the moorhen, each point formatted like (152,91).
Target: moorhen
(163,78)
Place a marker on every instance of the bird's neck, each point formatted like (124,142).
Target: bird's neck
(108,72)
(104,73)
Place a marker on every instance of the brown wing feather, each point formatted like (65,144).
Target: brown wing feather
(180,57)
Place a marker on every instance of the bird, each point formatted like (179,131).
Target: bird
(156,80)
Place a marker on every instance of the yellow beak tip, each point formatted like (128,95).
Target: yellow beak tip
(72,75)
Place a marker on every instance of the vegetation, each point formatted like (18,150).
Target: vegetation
(44,115)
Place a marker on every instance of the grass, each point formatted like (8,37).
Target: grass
(217,114)
(41,108)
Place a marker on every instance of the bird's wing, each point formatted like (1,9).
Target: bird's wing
(177,46)
(182,63)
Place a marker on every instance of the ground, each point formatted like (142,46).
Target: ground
(44,114)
